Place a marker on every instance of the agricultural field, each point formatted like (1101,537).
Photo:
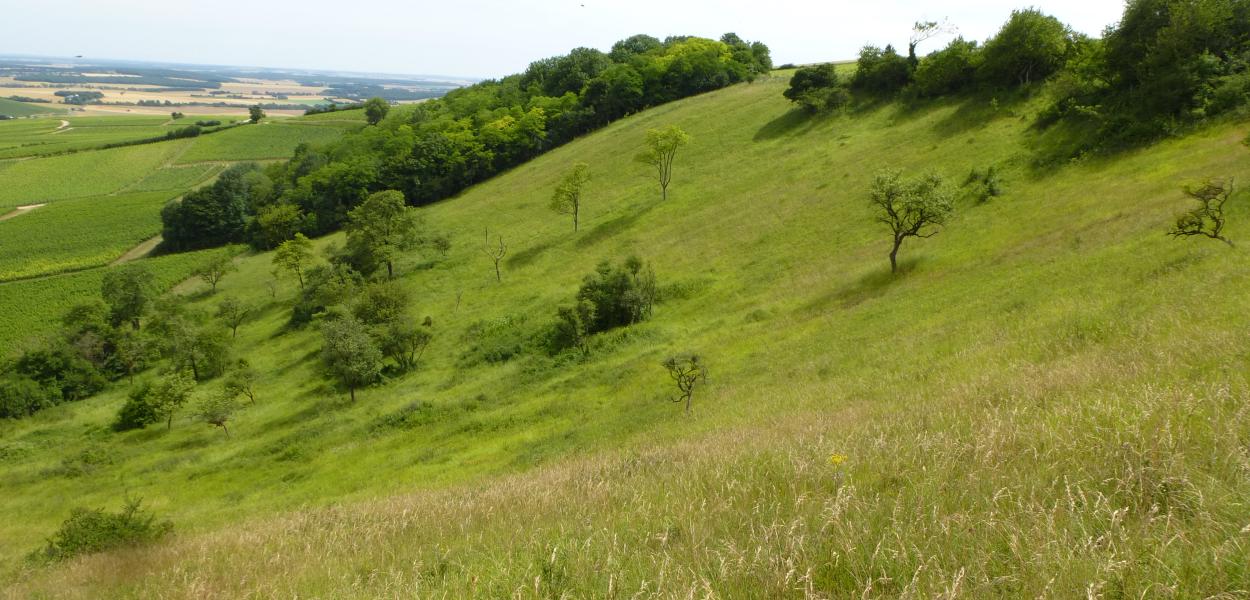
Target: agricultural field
(73,235)
(29,308)
(177,178)
(82,174)
(267,140)
(13,108)
(39,137)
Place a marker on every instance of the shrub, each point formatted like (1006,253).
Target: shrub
(93,530)
(138,411)
(985,184)
(949,70)
(817,89)
(618,296)
(22,396)
(881,72)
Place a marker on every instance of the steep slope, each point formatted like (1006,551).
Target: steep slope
(1049,400)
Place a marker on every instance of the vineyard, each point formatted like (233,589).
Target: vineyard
(14,108)
(30,307)
(82,174)
(77,234)
(259,142)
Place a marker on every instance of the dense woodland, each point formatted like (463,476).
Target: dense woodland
(1165,66)
(448,144)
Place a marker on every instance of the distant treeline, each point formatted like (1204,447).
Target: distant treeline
(445,145)
(362,91)
(333,107)
(1164,66)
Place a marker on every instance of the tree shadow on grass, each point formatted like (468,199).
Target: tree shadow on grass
(871,285)
(610,228)
(528,256)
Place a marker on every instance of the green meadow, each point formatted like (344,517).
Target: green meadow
(14,108)
(1048,400)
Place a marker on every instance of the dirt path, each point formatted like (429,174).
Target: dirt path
(138,252)
(64,127)
(19,211)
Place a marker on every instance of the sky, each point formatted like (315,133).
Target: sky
(482,38)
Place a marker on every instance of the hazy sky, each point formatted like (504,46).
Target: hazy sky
(479,38)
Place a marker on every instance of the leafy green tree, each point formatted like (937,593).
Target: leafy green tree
(816,88)
(59,368)
(385,225)
(186,343)
(255,113)
(217,410)
(881,71)
(294,256)
(910,208)
(275,224)
(572,328)
(213,215)
(634,45)
(380,303)
(660,149)
(216,269)
(403,341)
(349,353)
(376,109)
(233,312)
(138,411)
(617,295)
(567,199)
(241,381)
(947,71)
(22,396)
(169,394)
(1029,47)
(1207,220)
(128,290)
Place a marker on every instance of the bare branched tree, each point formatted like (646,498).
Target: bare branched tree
(923,31)
(686,371)
(496,252)
(1208,218)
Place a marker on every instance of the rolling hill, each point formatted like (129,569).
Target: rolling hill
(1048,400)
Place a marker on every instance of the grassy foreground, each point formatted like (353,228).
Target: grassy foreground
(1049,401)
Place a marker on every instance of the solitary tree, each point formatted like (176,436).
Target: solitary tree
(496,253)
(661,147)
(293,256)
(349,353)
(376,109)
(384,225)
(686,371)
(213,271)
(921,32)
(233,312)
(169,394)
(910,208)
(255,113)
(1208,218)
(217,410)
(128,290)
(241,381)
(567,199)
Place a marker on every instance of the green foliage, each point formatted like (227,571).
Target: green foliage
(61,369)
(567,198)
(217,410)
(255,114)
(881,72)
(170,392)
(659,150)
(404,342)
(233,312)
(138,411)
(1029,47)
(948,71)
(385,226)
(275,224)
(985,184)
(90,531)
(215,269)
(376,109)
(128,290)
(22,396)
(349,353)
(294,256)
(686,371)
(910,208)
(241,381)
(817,89)
(214,215)
(616,296)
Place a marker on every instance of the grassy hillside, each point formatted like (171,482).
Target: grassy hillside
(1049,400)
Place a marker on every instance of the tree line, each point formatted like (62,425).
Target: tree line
(1165,65)
(445,145)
